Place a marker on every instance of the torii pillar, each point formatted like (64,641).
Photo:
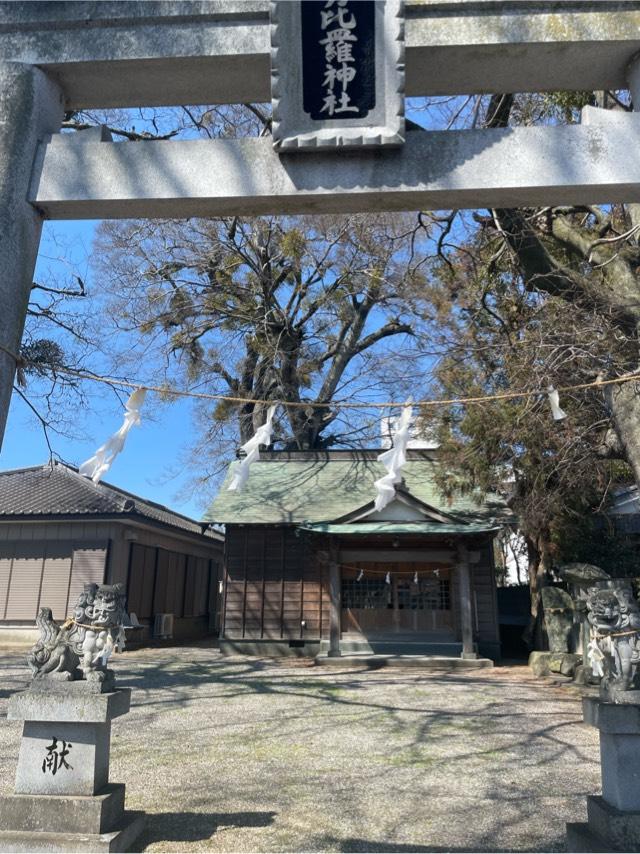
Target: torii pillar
(31,106)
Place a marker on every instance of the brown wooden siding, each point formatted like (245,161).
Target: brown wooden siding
(6,564)
(277,579)
(56,588)
(26,577)
(35,574)
(56,580)
(165,582)
(88,568)
(273,584)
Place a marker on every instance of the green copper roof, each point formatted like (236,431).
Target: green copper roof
(292,488)
(368,528)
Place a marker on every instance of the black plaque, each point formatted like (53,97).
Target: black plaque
(337,74)
(338,58)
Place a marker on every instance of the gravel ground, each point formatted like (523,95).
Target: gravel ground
(255,755)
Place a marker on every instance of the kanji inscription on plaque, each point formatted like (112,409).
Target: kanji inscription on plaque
(337,73)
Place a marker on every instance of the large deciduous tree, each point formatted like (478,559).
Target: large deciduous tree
(529,298)
(589,257)
(296,310)
(496,336)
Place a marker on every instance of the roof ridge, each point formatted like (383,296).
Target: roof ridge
(87,482)
(289,491)
(103,486)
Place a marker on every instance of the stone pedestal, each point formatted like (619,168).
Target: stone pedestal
(63,800)
(613,818)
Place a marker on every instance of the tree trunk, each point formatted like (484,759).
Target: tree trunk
(539,564)
(624,403)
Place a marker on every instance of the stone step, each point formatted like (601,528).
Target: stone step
(376,647)
(428,663)
(120,839)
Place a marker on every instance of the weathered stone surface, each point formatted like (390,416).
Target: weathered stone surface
(53,705)
(620,696)
(114,54)
(583,574)
(620,829)
(555,598)
(620,759)
(96,814)
(614,616)
(509,167)
(614,817)
(554,662)
(583,675)
(63,758)
(76,687)
(295,125)
(63,800)
(582,840)
(545,663)
(120,839)
(558,618)
(619,727)
(611,717)
(80,647)
(570,662)
(539,663)
(30,107)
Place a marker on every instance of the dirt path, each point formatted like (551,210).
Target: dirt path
(246,755)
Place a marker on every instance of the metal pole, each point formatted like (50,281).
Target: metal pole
(31,106)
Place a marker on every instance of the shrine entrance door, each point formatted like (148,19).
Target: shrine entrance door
(403,600)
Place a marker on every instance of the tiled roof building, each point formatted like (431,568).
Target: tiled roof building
(59,531)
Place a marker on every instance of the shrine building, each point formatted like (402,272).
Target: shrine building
(310,566)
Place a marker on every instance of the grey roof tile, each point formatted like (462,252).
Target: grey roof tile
(58,490)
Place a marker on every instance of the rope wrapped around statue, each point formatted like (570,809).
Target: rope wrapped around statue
(614,648)
(81,647)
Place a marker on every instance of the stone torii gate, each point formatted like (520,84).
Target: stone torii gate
(72,55)
(58,56)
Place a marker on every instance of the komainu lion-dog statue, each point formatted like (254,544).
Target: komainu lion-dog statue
(81,647)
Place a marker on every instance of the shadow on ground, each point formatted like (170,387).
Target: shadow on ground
(193,826)
(355,844)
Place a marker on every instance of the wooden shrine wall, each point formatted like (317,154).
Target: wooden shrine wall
(273,588)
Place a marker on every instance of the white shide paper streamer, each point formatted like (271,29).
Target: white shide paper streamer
(100,463)
(262,436)
(394,459)
(596,657)
(554,402)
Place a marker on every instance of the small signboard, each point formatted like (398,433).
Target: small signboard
(337,73)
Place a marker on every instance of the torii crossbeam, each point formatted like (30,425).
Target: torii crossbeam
(72,55)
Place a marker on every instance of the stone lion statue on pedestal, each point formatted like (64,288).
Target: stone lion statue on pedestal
(81,647)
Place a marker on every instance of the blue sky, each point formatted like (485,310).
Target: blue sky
(150,463)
